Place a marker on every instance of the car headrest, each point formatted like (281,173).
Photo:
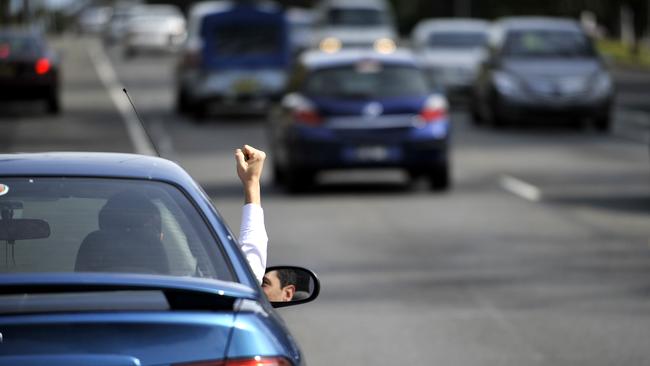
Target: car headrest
(129,211)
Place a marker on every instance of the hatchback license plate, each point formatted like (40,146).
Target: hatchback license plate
(372,154)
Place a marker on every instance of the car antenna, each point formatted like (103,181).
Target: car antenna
(144,127)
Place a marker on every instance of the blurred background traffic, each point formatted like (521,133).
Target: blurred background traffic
(470,178)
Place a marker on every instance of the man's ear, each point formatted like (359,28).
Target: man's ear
(288,291)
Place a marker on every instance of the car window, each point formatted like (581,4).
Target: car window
(367,81)
(18,46)
(457,39)
(247,40)
(106,225)
(356,17)
(547,43)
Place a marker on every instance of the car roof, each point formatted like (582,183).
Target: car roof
(318,59)
(372,4)
(203,8)
(454,24)
(92,164)
(535,22)
(21,32)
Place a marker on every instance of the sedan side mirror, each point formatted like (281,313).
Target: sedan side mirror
(290,285)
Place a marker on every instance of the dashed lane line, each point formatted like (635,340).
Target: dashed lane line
(520,188)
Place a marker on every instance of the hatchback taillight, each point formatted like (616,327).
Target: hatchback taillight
(255,361)
(307,116)
(435,109)
(303,111)
(42,66)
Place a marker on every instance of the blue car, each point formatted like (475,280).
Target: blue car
(235,59)
(360,109)
(120,259)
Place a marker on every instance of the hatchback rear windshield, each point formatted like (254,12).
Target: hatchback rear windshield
(547,43)
(104,225)
(18,46)
(367,81)
(457,39)
(356,17)
(247,40)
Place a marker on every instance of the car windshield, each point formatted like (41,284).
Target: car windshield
(367,80)
(247,40)
(104,225)
(547,43)
(356,17)
(457,39)
(14,45)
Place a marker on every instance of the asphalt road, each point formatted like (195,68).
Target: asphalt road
(539,255)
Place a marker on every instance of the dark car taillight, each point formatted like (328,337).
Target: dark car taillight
(255,361)
(42,66)
(435,109)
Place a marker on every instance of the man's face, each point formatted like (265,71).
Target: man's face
(274,292)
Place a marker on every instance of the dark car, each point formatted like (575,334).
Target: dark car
(235,59)
(542,69)
(120,259)
(29,68)
(360,109)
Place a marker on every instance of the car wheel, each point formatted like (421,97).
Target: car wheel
(278,174)
(603,124)
(298,180)
(439,178)
(129,53)
(53,104)
(182,104)
(199,111)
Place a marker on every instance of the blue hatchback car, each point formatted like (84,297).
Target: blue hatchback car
(119,259)
(360,109)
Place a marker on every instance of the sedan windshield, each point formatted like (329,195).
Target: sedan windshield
(351,17)
(547,43)
(457,40)
(367,80)
(104,225)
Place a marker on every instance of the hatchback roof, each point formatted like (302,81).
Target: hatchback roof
(318,59)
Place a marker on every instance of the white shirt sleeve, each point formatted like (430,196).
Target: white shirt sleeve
(253,240)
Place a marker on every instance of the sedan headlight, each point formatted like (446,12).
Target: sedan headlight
(602,84)
(506,84)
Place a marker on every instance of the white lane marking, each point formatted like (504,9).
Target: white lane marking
(141,142)
(521,188)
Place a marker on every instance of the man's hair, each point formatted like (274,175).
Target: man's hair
(287,277)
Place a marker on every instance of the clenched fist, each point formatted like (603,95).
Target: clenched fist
(250,162)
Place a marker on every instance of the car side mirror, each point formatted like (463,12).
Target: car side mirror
(290,285)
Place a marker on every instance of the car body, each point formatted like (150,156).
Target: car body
(359,109)
(235,59)
(93,20)
(154,28)
(545,69)
(29,68)
(125,256)
(452,51)
(301,23)
(117,25)
(353,24)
